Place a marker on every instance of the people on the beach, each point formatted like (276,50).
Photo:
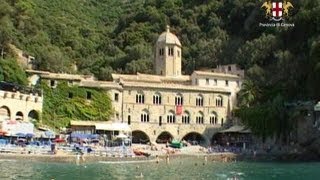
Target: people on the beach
(157,159)
(167,159)
(140,176)
(205,159)
(78,158)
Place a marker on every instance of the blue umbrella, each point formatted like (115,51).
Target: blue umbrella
(29,135)
(20,135)
(94,136)
(49,133)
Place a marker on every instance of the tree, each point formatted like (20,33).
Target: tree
(10,71)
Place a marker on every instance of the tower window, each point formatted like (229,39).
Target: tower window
(215,82)
(178,52)
(227,83)
(89,95)
(116,97)
(170,52)
(161,52)
(207,81)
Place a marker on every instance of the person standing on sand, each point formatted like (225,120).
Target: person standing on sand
(205,159)
(82,157)
(167,159)
(157,159)
(78,159)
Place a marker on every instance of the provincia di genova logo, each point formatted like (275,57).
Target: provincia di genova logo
(277,13)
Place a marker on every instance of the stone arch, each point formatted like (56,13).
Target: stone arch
(33,116)
(19,116)
(5,112)
(164,137)
(140,137)
(194,138)
(217,139)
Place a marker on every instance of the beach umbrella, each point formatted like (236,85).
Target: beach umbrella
(49,134)
(94,136)
(21,135)
(59,140)
(29,135)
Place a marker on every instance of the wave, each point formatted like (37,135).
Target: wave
(127,162)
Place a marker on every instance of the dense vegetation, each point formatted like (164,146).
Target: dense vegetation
(65,103)
(10,71)
(282,63)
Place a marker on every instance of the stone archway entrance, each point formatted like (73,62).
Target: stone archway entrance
(164,137)
(5,113)
(33,116)
(19,116)
(194,138)
(140,137)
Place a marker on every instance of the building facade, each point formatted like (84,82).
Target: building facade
(167,105)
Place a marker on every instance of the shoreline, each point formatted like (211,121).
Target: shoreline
(219,157)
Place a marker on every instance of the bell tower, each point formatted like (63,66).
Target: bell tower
(168,55)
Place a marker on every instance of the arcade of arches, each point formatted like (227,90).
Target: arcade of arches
(140,137)
(164,137)
(194,138)
(7,114)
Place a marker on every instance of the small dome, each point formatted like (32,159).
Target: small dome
(168,38)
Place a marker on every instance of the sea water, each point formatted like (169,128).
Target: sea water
(179,168)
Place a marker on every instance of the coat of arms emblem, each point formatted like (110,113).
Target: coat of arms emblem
(277,10)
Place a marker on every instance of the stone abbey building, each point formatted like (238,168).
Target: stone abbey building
(167,104)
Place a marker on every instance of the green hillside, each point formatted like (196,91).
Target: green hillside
(281,63)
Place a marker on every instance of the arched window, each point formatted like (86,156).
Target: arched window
(140,98)
(171,118)
(178,100)
(219,101)
(157,98)
(186,118)
(199,100)
(213,118)
(144,117)
(199,118)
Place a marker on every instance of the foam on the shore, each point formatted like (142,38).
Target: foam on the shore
(127,162)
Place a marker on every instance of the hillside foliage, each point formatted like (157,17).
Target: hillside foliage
(65,103)
(282,63)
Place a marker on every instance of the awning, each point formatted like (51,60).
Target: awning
(236,129)
(113,127)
